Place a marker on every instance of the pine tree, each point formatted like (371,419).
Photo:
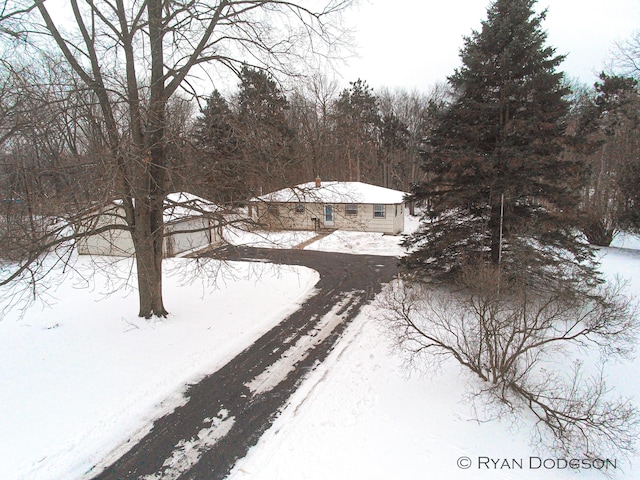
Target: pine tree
(498,188)
(218,170)
(213,128)
(267,138)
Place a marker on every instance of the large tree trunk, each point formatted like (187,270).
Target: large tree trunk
(148,240)
(149,226)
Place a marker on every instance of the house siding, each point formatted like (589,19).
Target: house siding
(200,234)
(286,216)
(119,242)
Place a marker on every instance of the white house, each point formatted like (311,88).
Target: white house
(187,226)
(332,205)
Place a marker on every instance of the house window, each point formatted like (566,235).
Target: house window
(351,209)
(300,208)
(328,214)
(273,209)
(379,211)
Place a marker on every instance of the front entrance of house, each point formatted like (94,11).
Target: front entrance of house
(328,216)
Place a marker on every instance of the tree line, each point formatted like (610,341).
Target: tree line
(262,138)
(226,149)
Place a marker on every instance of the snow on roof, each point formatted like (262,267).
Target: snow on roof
(181,205)
(335,192)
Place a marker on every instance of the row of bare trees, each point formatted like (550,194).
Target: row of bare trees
(261,139)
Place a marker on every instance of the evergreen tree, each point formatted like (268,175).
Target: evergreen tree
(357,122)
(498,188)
(267,138)
(218,170)
(213,128)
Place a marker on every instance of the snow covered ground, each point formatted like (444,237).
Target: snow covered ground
(79,379)
(266,239)
(82,377)
(362,414)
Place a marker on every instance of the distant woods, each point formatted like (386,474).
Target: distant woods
(263,138)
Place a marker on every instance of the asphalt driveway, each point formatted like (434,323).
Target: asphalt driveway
(228,411)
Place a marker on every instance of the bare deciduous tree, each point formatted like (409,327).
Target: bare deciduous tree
(626,56)
(417,112)
(133,57)
(512,338)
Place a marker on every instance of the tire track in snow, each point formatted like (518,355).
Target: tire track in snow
(246,395)
(278,371)
(187,453)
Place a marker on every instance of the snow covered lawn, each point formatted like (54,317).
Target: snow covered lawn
(366,243)
(81,378)
(266,239)
(359,243)
(362,415)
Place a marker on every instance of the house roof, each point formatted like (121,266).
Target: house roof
(335,192)
(181,205)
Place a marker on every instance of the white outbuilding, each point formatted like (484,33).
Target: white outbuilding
(188,225)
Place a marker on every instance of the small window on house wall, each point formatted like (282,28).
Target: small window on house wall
(351,209)
(379,211)
(273,209)
(300,208)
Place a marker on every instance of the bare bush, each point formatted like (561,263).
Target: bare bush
(513,339)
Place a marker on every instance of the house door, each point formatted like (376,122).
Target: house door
(328,216)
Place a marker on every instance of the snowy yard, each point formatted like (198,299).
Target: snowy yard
(82,378)
(361,414)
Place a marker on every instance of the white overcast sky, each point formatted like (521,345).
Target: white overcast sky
(414,44)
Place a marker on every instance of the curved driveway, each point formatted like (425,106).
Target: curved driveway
(228,411)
